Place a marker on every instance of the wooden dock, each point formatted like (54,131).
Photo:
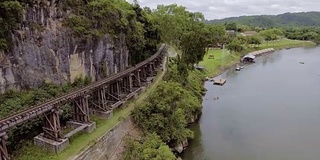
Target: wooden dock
(219,81)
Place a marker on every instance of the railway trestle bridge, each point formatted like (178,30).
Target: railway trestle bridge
(99,98)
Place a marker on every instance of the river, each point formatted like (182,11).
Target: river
(270,110)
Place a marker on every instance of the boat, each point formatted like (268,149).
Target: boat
(239,68)
(219,81)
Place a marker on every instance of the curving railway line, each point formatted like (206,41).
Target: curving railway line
(99,97)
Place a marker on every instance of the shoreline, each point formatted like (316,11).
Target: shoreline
(230,65)
(225,68)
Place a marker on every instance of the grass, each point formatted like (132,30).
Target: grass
(284,43)
(81,141)
(223,59)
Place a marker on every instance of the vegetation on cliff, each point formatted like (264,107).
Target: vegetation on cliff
(149,148)
(96,18)
(10,16)
(168,111)
(89,21)
(13,102)
(176,101)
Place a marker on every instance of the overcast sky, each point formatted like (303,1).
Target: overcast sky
(217,9)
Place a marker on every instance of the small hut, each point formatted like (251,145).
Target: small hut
(248,58)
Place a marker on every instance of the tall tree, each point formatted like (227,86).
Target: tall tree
(173,21)
(217,33)
(255,40)
(194,43)
(235,46)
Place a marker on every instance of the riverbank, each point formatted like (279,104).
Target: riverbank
(176,103)
(233,128)
(223,59)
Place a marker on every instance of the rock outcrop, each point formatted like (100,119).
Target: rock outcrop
(44,50)
(180,147)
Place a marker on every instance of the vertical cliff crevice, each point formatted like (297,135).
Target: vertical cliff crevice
(43,49)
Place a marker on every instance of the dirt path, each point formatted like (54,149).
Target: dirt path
(133,131)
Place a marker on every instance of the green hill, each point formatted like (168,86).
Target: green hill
(281,20)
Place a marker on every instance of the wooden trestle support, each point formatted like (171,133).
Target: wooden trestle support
(103,98)
(3,147)
(80,111)
(51,126)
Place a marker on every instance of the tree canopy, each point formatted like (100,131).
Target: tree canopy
(149,148)
(306,33)
(167,112)
(10,16)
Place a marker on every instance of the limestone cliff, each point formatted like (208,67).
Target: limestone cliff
(44,50)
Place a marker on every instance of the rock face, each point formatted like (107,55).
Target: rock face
(44,50)
(181,146)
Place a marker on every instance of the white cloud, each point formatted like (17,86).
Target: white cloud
(216,9)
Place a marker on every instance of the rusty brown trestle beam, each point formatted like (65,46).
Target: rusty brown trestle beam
(101,95)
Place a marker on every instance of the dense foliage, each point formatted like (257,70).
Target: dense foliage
(271,34)
(10,16)
(174,21)
(282,20)
(13,102)
(149,148)
(307,33)
(167,112)
(90,20)
(176,102)
(96,18)
(236,45)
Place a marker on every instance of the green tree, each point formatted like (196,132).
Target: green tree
(94,19)
(217,34)
(242,39)
(167,112)
(271,34)
(149,148)
(255,40)
(194,43)
(151,36)
(10,16)
(242,28)
(173,21)
(310,35)
(235,46)
(231,26)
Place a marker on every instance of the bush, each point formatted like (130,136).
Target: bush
(150,148)
(168,111)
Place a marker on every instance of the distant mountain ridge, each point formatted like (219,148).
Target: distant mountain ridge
(281,20)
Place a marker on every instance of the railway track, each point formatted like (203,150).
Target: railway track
(32,112)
